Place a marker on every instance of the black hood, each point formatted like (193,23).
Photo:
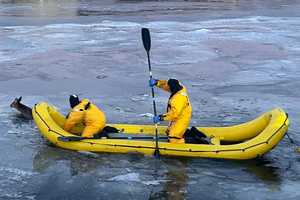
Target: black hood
(74,100)
(174,86)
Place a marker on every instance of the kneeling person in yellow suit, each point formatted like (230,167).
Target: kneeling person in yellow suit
(179,110)
(87,113)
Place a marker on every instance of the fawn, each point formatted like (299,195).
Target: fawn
(23,109)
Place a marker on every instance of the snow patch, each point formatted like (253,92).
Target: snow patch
(146,115)
(16,171)
(89,154)
(131,177)
(156,182)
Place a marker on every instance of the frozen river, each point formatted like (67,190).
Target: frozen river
(237,59)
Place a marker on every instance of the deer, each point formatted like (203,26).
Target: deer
(23,109)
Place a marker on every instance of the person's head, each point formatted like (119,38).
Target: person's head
(174,85)
(74,100)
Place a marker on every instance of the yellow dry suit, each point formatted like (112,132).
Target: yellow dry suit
(88,114)
(179,112)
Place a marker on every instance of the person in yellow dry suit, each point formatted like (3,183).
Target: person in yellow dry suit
(179,110)
(87,113)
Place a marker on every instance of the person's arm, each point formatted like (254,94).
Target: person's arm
(177,106)
(73,118)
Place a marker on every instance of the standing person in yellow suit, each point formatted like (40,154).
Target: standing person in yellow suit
(87,113)
(179,110)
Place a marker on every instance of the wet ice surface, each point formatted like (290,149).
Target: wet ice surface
(234,68)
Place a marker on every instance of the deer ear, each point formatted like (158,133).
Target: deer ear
(20,98)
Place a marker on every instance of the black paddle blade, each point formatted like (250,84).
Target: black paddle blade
(70,138)
(146,39)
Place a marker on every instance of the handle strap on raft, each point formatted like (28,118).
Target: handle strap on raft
(78,138)
(87,106)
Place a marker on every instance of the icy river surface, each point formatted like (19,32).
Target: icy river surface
(238,59)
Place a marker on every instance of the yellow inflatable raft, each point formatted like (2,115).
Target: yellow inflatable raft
(245,141)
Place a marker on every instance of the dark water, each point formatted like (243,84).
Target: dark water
(237,58)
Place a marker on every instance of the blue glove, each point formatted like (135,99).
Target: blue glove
(152,82)
(157,119)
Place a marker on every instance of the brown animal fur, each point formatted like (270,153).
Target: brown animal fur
(23,109)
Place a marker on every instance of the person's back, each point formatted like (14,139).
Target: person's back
(182,115)
(94,120)
(87,113)
(179,110)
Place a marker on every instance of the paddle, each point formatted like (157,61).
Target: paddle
(147,45)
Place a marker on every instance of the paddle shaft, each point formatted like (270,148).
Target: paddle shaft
(156,153)
(152,89)
(147,45)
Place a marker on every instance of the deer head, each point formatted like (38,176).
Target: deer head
(16,103)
